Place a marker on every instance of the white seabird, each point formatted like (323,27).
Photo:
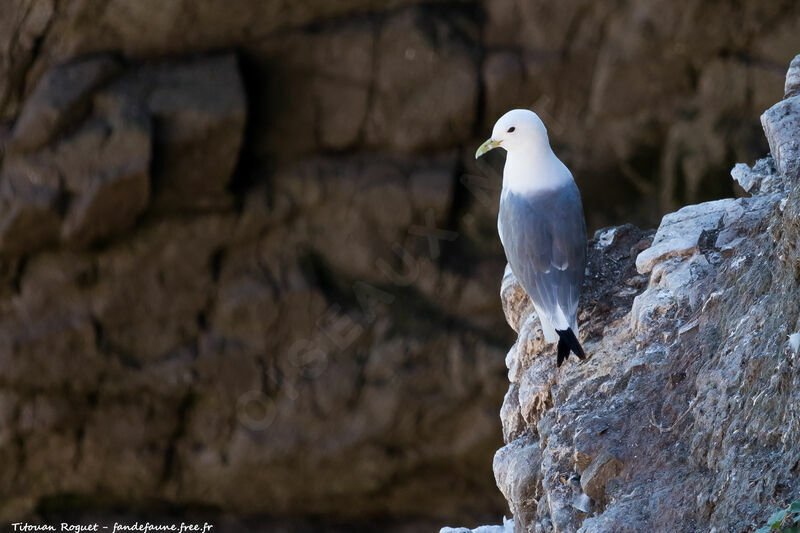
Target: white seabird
(541,226)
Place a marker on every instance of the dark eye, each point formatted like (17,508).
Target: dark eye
(511,129)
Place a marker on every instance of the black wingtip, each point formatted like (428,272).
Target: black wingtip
(567,341)
(563,352)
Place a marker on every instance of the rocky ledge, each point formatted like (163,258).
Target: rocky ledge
(686,415)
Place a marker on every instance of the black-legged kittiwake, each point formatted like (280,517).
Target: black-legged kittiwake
(541,226)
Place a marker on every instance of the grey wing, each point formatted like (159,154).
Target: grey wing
(544,237)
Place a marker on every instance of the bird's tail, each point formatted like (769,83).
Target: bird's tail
(567,341)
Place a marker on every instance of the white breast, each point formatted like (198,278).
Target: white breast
(525,173)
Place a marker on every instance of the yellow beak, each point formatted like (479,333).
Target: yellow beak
(490,144)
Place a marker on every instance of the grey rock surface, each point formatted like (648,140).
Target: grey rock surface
(762,177)
(780,125)
(792,85)
(600,471)
(507,527)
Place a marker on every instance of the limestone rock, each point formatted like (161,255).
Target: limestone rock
(516,468)
(792,85)
(510,415)
(507,527)
(593,480)
(763,177)
(781,123)
(516,303)
(679,233)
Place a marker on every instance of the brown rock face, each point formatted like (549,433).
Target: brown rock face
(426,66)
(97,175)
(263,351)
(199,111)
(644,100)
(59,98)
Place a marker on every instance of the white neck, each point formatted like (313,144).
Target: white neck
(533,170)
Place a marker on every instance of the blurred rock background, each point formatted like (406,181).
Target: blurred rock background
(248,266)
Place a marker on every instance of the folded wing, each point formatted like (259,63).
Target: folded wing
(544,236)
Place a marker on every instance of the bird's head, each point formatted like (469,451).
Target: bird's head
(518,129)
